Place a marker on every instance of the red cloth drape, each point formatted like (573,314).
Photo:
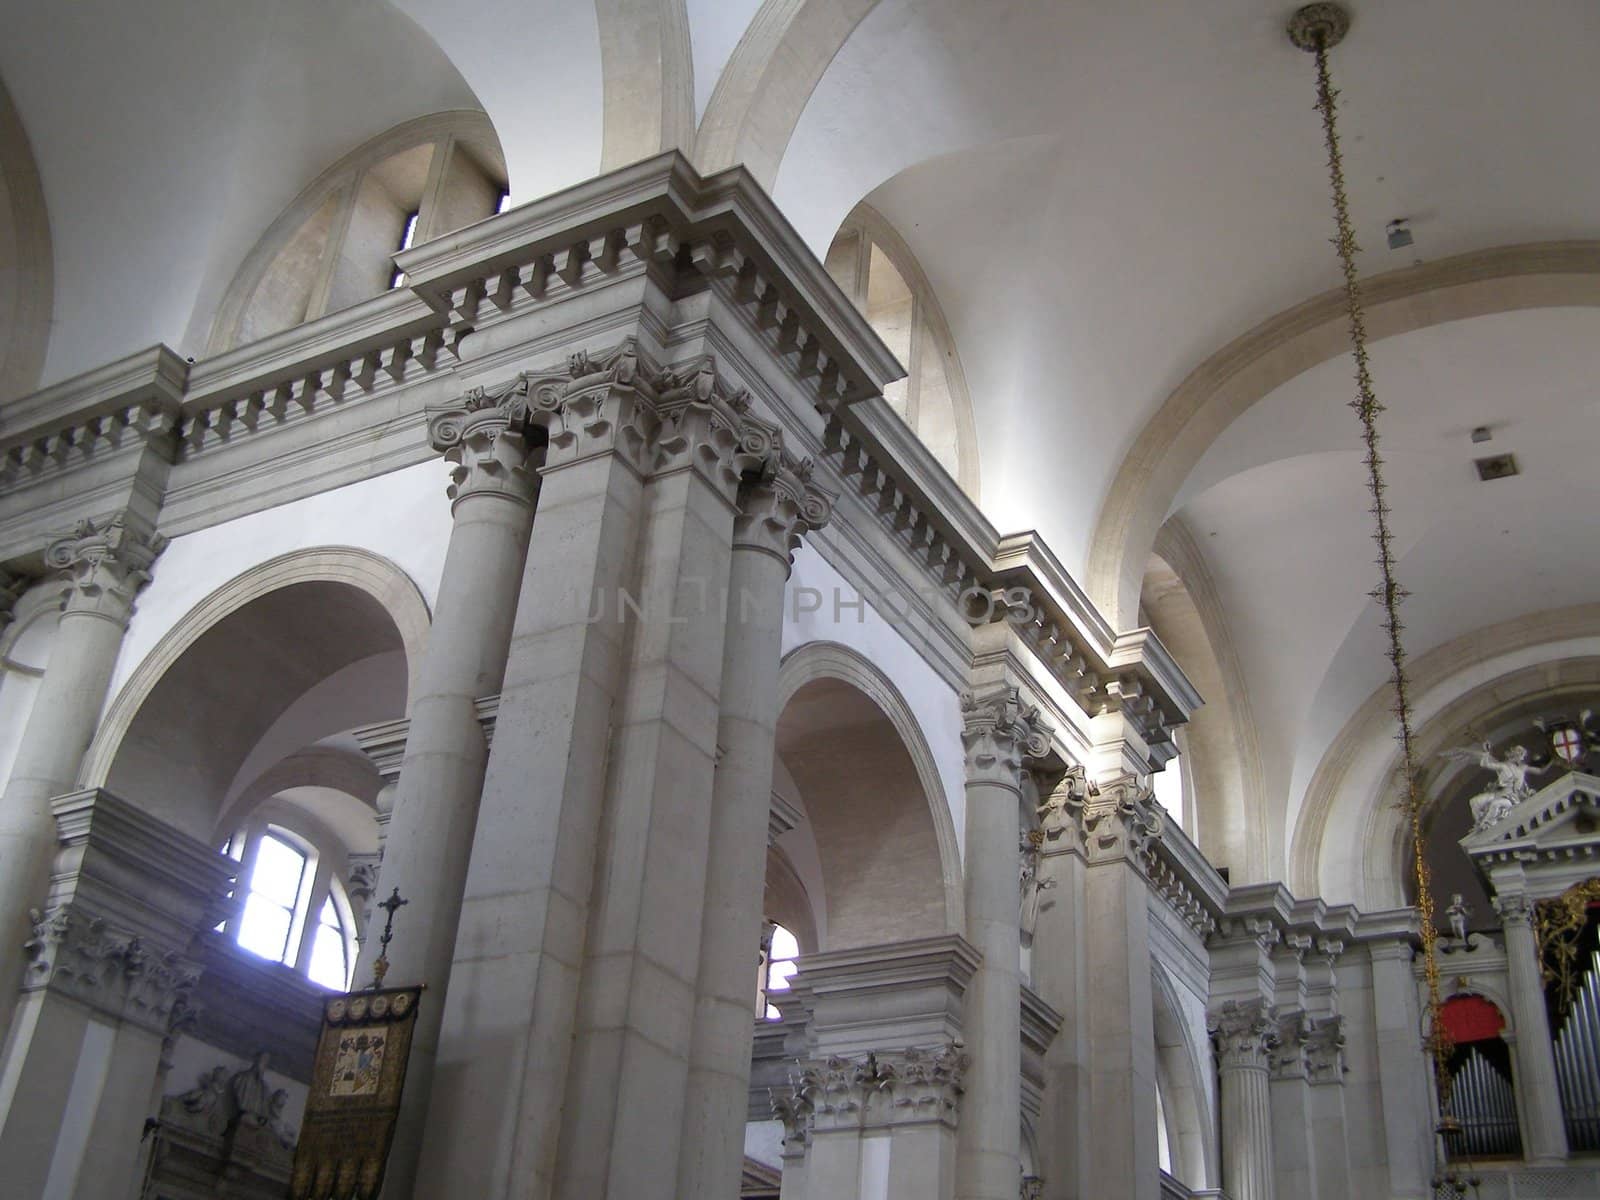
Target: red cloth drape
(1470,1019)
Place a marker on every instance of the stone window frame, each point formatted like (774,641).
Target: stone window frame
(305,920)
(316,272)
(927,320)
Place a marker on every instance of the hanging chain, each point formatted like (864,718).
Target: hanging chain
(1389,594)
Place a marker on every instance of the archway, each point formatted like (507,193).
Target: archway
(1224,386)
(865,781)
(1348,843)
(238,729)
(293,652)
(1185,1100)
(1226,808)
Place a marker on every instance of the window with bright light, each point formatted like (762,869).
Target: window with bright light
(406,237)
(781,965)
(272,899)
(1163,1138)
(291,911)
(1168,785)
(330,959)
(876,269)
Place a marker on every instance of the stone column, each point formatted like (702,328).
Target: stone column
(774,511)
(1544,1130)
(1112,828)
(105,565)
(435,808)
(623,1120)
(998,733)
(507,1033)
(1403,1078)
(1060,973)
(110,966)
(1245,1035)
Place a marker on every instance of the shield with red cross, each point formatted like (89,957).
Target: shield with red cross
(1567,742)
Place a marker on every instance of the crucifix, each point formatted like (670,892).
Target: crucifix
(380,968)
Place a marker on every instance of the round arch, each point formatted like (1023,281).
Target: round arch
(766,85)
(1181,1071)
(942,416)
(327,767)
(308,236)
(1349,778)
(817,662)
(369,573)
(1232,820)
(1221,389)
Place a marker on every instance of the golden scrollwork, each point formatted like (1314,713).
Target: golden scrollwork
(1560,922)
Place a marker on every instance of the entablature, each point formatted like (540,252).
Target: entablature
(343,398)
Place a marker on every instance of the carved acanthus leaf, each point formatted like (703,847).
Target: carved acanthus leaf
(889,1087)
(110,969)
(998,731)
(105,564)
(1121,820)
(1244,1033)
(1325,1050)
(780,505)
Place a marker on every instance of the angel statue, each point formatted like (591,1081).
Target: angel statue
(1511,787)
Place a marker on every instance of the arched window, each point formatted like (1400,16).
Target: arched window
(1169,789)
(780,951)
(878,272)
(287,908)
(333,246)
(1163,1136)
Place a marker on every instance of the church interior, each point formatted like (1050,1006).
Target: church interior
(799,599)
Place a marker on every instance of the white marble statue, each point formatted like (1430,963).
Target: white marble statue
(1457,913)
(1511,787)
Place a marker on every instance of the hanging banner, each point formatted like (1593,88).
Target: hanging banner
(355,1095)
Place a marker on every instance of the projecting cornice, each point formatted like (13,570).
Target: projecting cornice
(346,396)
(722,227)
(68,418)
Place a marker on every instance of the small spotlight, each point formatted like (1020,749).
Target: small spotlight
(1481,434)
(1399,234)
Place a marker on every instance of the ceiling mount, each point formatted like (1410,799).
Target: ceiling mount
(1319,26)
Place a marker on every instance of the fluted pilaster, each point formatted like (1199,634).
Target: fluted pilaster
(1245,1035)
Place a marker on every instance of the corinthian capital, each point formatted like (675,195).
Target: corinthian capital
(1119,819)
(1244,1033)
(1514,910)
(604,405)
(105,564)
(998,731)
(485,436)
(779,506)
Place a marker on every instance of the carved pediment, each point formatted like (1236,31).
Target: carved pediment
(1560,817)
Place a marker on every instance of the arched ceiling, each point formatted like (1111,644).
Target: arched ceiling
(1102,196)
(1278,506)
(170,133)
